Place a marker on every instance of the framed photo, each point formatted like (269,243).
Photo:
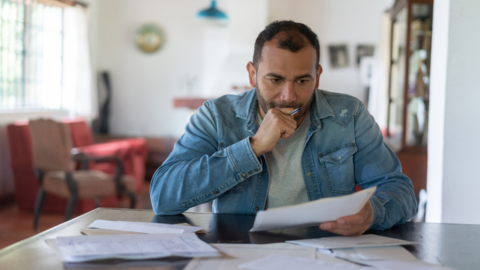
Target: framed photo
(364,50)
(338,55)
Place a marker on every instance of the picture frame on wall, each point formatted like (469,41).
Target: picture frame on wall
(364,50)
(338,55)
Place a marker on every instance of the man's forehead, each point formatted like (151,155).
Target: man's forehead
(277,59)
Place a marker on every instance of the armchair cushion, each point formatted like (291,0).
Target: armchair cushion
(90,184)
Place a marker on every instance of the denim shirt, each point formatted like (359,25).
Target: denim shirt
(344,147)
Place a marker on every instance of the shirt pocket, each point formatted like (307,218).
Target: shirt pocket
(338,168)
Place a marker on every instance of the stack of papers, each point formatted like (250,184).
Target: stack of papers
(369,250)
(312,213)
(133,247)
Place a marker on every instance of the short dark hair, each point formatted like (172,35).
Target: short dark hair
(292,41)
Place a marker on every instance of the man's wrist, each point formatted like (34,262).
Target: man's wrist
(255,147)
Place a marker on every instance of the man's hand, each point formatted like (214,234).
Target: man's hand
(353,225)
(275,125)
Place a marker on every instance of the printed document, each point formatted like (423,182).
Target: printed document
(131,246)
(236,254)
(311,213)
(366,240)
(283,262)
(142,227)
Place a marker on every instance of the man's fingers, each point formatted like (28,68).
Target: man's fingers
(336,225)
(353,219)
(345,229)
(345,232)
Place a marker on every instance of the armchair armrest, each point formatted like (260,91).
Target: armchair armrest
(84,159)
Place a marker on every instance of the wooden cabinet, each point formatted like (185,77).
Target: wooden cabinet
(409,81)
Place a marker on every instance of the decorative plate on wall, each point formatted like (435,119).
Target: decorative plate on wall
(149,38)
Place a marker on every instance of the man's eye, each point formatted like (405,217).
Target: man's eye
(275,80)
(302,81)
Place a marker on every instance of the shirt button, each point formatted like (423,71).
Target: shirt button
(256,208)
(244,175)
(339,157)
(256,170)
(308,174)
(264,172)
(250,172)
(216,192)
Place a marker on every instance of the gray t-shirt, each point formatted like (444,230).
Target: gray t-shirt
(284,162)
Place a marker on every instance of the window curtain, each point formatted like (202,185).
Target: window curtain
(78,97)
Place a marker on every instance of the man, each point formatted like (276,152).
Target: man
(248,154)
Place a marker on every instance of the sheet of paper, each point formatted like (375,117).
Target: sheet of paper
(283,262)
(142,227)
(402,265)
(311,213)
(133,246)
(187,228)
(236,254)
(384,253)
(321,254)
(366,240)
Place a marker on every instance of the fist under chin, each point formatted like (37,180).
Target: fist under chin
(286,110)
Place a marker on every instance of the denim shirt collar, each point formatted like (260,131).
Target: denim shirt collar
(247,109)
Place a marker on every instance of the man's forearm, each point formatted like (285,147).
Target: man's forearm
(181,184)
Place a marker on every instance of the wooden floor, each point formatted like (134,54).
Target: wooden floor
(16,225)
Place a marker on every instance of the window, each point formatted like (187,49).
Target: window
(31,55)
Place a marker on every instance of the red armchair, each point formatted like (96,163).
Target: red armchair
(131,151)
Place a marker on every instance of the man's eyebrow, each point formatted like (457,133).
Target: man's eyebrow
(274,75)
(305,76)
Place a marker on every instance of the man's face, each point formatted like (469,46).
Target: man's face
(285,79)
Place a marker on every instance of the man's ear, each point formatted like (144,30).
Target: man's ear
(319,72)
(252,74)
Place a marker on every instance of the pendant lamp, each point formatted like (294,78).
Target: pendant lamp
(212,13)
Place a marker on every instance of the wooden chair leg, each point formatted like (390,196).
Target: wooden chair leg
(38,206)
(133,199)
(72,202)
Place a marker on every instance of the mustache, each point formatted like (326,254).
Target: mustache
(284,104)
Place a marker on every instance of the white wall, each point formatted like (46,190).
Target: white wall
(348,22)
(453,167)
(145,85)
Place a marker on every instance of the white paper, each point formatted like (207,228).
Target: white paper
(366,240)
(142,227)
(132,246)
(311,213)
(384,253)
(237,254)
(402,265)
(283,262)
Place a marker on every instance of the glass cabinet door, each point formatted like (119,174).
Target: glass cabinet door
(419,75)
(397,80)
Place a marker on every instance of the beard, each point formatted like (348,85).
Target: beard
(267,105)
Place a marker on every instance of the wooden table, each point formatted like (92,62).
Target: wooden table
(452,245)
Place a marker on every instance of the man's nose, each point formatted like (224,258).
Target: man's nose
(288,93)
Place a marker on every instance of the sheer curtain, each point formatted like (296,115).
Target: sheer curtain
(78,98)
